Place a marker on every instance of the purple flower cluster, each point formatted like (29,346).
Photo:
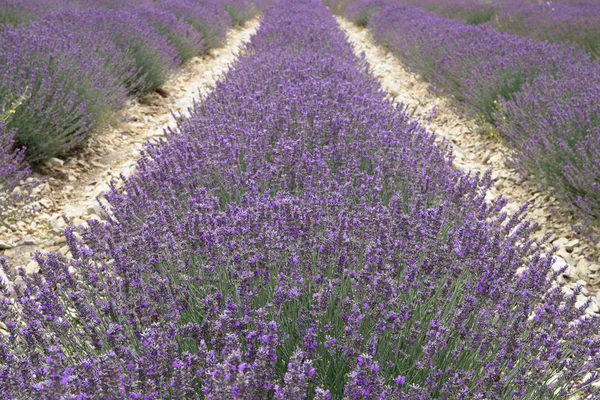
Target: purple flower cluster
(542,98)
(298,237)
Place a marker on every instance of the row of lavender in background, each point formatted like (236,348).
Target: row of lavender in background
(69,65)
(297,237)
(541,98)
(573,21)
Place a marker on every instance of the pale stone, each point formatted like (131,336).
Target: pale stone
(32,268)
(46,202)
(56,223)
(54,162)
(28,241)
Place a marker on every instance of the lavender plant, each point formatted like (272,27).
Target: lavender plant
(540,97)
(77,62)
(298,237)
(63,92)
(154,58)
(13,170)
(186,40)
(208,17)
(553,126)
(239,11)
(571,21)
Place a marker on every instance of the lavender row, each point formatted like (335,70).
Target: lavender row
(297,237)
(541,98)
(63,75)
(573,21)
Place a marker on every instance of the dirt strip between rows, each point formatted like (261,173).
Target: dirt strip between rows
(477,152)
(71,186)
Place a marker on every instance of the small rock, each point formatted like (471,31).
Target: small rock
(594,306)
(56,223)
(571,245)
(511,208)
(54,162)
(28,241)
(163,92)
(99,189)
(60,240)
(582,283)
(566,256)
(18,283)
(72,211)
(32,268)
(581,300)
(94,209)
(78,221)
(98,164)
(486,157)
(128,169)
(560,242)
(46,202)
(594,267)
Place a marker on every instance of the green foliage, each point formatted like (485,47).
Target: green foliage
(480,16)
(238,17)
(80,107)
(362,19)
(11,17)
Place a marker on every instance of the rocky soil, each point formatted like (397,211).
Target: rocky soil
(71,186)
(477,151)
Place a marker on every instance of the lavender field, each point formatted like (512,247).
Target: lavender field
(299,232)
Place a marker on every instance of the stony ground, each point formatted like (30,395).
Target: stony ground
(477,151)
(70,187)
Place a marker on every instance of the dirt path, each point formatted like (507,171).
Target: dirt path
(477,152)
(71,186)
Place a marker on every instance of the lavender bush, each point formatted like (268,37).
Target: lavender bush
(13,170)
(186,40)
(553,125)
(63,92)
(298,237)
(153,57)
(77,62)
(573,21)
(239,11)
(208,17)
(540,97)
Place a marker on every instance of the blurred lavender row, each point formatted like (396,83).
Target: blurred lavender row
(298,237)
(573,21)
(540,99)
(66,66)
